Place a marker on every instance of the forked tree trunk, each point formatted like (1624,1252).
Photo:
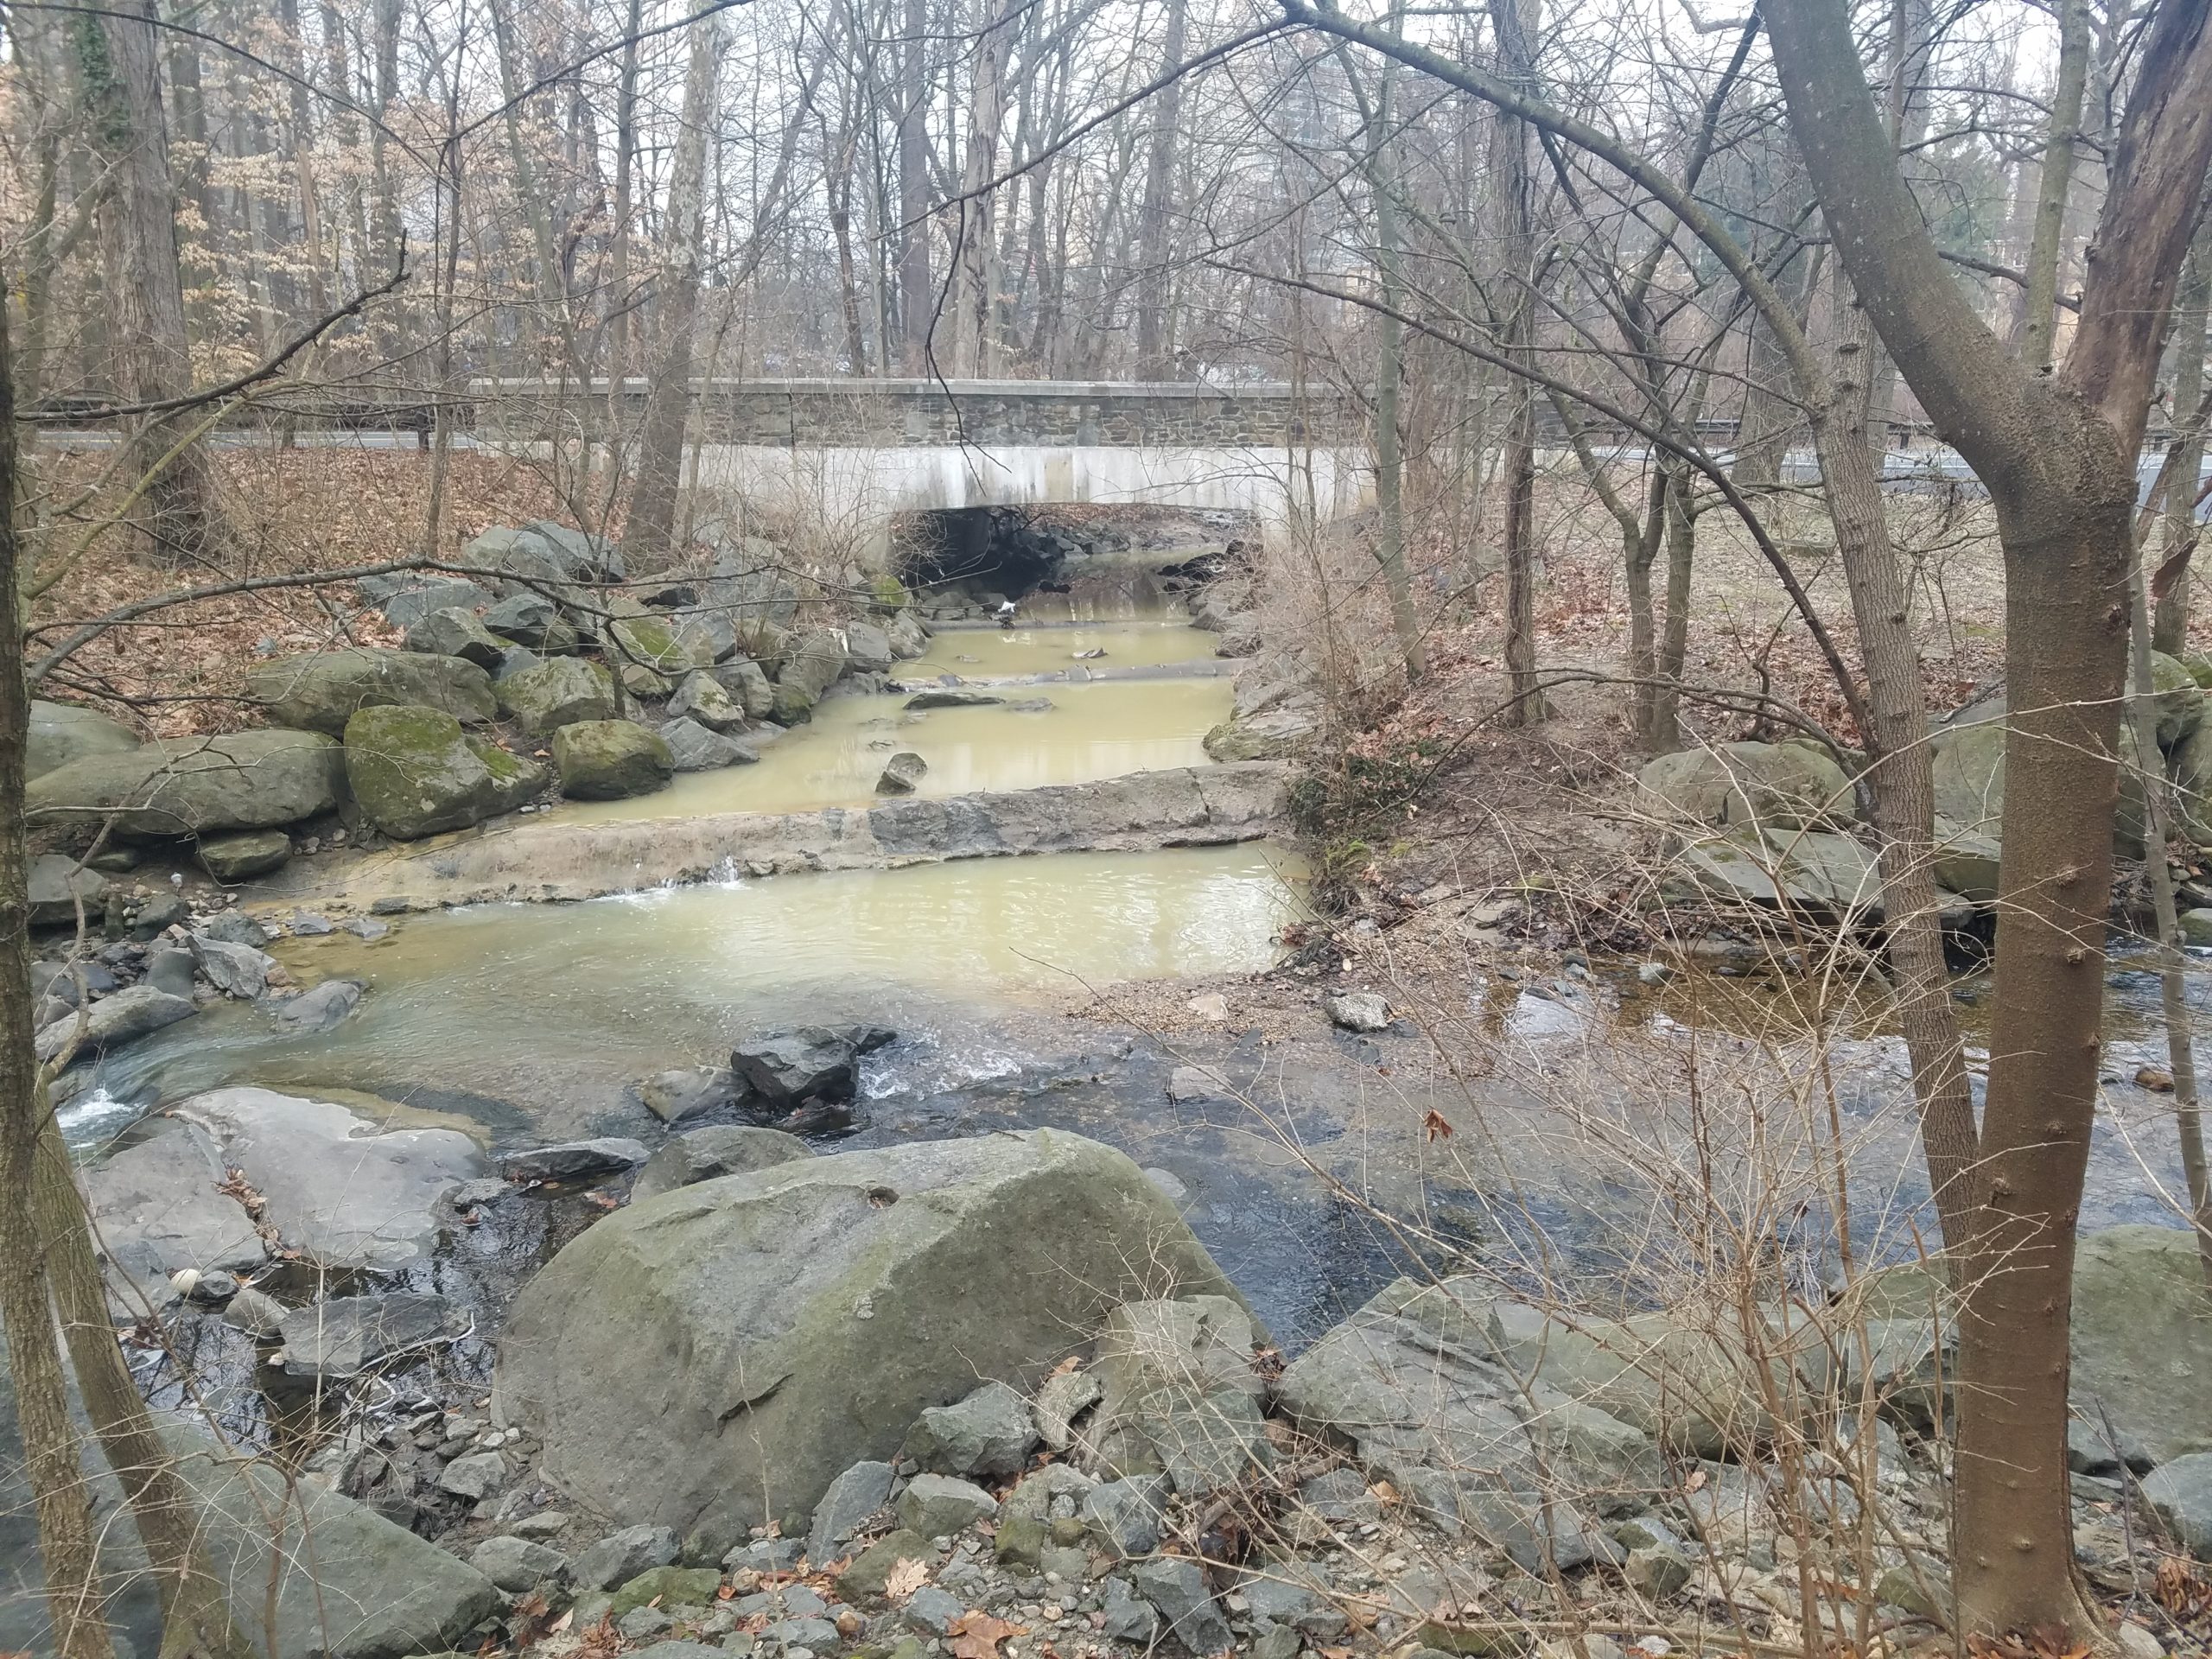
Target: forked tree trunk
(1664,734)
(1517,183)
(2057,455)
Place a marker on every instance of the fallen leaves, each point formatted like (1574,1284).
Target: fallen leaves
(905,1578)
(976,1634)
(2038,1645)
(2181,1590)
(1437,1126)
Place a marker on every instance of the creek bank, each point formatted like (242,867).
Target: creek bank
(370,740)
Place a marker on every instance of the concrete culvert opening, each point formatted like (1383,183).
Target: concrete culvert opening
(1070,564)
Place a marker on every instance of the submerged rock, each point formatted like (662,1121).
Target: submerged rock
(322,691)
(320,1009)
(416,773)
(689,1361)
(198,786)
(610,760)
(672,1096)
(901,773)
(953,697)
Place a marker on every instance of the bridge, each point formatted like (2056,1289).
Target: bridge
(858,451)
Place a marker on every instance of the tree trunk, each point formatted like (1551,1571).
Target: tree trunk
(917,296)
(1665,732)
(2171,633)
(972,261)
(2047,252)
(52,1465)
(145,293)
(648,534)
(1155,319)
(1516,185)
(1900,780)
(1390,376)
(2057,455)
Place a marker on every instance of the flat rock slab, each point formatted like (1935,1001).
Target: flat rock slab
(337,1189)
(133,1011)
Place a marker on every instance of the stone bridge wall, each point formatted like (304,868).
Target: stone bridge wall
(899,414)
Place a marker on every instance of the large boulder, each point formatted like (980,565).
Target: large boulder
(556,694)
(2142,1337)
(415,773)
(61,732)
(610,760)
(344,1193)
(542,554)
(813,663)
(707,700)
(527,619)
(743,679)
(199,785)
(694,749)
(868,648)
(406,601)
(321,692)
(654,643)
(242,856)
(716,1356)
(1968,764)
(456,632)
(1771,785)
(708,1154)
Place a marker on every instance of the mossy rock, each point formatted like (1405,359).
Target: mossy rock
(672,1587)
(651,642)
(322,691)
(791,705)
(2179,697)
(611,760)
(415,773)
(557,693)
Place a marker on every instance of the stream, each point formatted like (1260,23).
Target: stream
(1315,1171)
